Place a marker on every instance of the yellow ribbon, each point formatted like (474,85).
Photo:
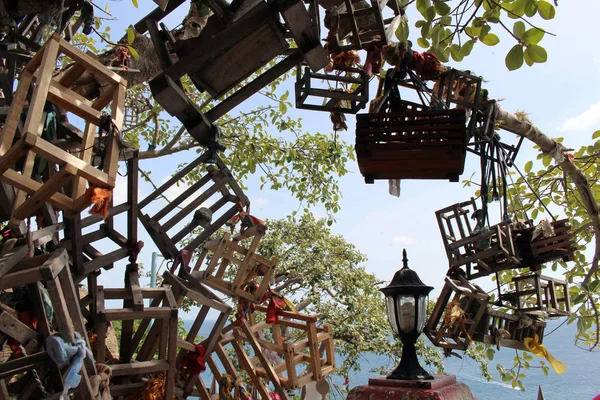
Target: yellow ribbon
(533,345)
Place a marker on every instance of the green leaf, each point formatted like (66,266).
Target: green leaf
(455,53)
(424,43)
(285,95)
(537,53)
(442,8)
(546,10)
(596,134)
(403,30)
(517,8)
(466,48)
(546,160)
(134,53)
(533,36)
(420,23)
(514,58)
(130,35)
(489,353)
(531,8)
(135,3)
(528,166)
(426,30)
(422,6)
(534,214)
(528,59)
(442,54)
(519,29)
(490,39)
(446,20)
(430,14)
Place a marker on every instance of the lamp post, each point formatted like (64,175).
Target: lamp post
(406,303)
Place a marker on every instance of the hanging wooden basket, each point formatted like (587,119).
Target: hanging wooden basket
(411,145)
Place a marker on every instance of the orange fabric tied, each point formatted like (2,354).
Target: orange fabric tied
(100,198)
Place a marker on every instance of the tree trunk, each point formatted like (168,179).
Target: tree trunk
(520,125)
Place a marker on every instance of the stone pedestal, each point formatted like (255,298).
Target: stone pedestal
(442,387)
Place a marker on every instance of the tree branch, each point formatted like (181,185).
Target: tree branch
(144,155)
(520,125)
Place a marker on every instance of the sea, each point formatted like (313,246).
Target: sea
(581,381)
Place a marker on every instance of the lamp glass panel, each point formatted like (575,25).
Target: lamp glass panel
(391,312)
(405,306)
(422,313)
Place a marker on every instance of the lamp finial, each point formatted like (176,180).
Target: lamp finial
(404,259)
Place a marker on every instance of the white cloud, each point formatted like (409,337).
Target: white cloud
(585,120)
(405,240)
(258,202)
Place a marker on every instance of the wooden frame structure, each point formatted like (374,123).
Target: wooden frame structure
(220,363)
(560,246)
(86,258)
(164,226)
(488,250)
(472,302)
(339,99)
(229,258)
(162,313)
(53,270)
(77,169)
(363,27)
(541,294)
(298,340)
(250,33)
(519,328)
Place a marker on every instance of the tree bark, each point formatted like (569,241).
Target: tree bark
(519,124)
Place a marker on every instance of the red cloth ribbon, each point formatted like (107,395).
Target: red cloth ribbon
(427,65)
(194,361)
(374,60)
(29,319)
(182,258)
(134,251)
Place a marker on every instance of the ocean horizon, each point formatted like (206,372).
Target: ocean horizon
(581,381)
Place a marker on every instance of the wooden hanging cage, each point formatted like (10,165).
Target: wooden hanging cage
(458,311)
(346,91)
(480,250)
(359,25)
(508,330)
(560,246)
(539,295)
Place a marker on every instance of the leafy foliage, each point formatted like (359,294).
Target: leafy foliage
(452,28)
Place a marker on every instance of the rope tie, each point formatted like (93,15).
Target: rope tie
(35,374)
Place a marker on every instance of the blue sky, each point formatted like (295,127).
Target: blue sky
(561,97)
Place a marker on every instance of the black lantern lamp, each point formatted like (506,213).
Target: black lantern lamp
(406,303)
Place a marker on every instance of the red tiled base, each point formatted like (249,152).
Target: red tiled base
(442,387)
